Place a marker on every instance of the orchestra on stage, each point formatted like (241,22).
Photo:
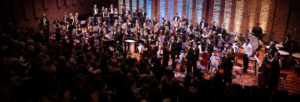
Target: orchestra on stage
(180,40)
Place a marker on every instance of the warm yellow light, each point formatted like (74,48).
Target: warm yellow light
(264,14)
(239,15)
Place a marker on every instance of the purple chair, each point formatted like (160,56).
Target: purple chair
(62,34)
(183,46)
(226,38)
(82,40)
(218,46)
(110,35)
(51,31)
(96,42)
(231,40)
(74,31)
(74,36)
(95,35)
(84,34)
(214,41)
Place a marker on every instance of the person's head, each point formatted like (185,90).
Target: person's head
(218,24)
(213,21)
(223,25)
(176,14)
(111,5)
(208,40)
(247,40)
(257,25)
(288,36)
(71,15)
(184,17)
(277,54)
(126,7)
(166,18)
(173,38)
(44,14)
(203,19)
(174,82)
(54,86)
(147,17)
(187,44)
(95,6)
(116,10)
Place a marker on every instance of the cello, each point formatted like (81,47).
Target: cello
(239,56)
(205,58)
(183,65)
(263,77)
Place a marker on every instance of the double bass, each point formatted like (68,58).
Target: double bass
(263,77)
(183,65)
(239,56)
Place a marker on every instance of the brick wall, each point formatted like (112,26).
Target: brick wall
(26,13)
(33,10)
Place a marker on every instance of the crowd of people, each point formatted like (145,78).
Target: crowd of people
(37,68)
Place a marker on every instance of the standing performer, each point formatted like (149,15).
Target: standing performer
(57,30)
(203,24)
(257,31)
(119,40)
(287,43)
(275,71)
(136,33)
(173,48)
(166,33)
(176,17)
(212,26)
(190,25)
(189,57)
(145,47)
(226,64)
(179,45)
(196,55)
(165,51)
(154,44)
(65,19)
(95,11)
(248,51)
(45,25)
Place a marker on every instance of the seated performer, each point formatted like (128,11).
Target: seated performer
(248,51)
(79,32)
(287,43)
(90,35)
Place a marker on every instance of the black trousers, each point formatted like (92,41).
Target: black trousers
(165,62)
(136,46)
(246,61)
(173,54)
(178,52)
(189,68)
(195,64)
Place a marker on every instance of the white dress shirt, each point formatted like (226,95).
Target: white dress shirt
(247,49)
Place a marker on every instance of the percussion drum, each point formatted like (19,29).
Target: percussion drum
(279,46)
(296,55)
(265,38)
(254,42)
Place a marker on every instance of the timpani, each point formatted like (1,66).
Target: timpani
(284,56)
(296,55)
(279,46)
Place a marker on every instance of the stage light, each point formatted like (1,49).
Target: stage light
(179,7)
(189,9)
(199,5)
(141,3)
(162,10)
(264,14)
(171,8)
(252,14)
(149,8)
(120,5)
(227,13)
(134,5)
(239,15)
(217,8)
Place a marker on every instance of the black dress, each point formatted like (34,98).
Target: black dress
(57,32)
(79,31)
(274,77)
(155,48)
(91,32)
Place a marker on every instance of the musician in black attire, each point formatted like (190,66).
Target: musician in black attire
(65,18)
(76,22)
(197,39)
(90,32)
(145,43)
(177,28)
(191,36)
(190,25)
(95,11)
(45,26)
(203,24)
(223,32)
(57,30)
(89,21)
(287,43)
(218,28)
(196,55)
(79,32)
(208,47)
(212,26)
(166,33)
(142,13)
(69,29)
(176,17)
(167,22)
(275,71)
(257,31)
(154,43)
(227,65)
(173,48)
(155,21)
(119,39)
(127,31)
(189,57)
(165,54)
(270,53)
(179,45)
(185,21)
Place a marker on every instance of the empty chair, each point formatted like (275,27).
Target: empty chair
(51,31)
(74,36)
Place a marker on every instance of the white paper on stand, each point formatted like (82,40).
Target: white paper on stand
(199,47)
(140,48)
(256,59)
(158,53)
(180,56)
(212,59)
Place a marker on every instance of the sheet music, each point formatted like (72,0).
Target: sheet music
(158,53)
(256,59)
(212,59)
(140,48)
(180,56)
(199,47)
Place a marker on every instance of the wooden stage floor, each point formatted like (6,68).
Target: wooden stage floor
(248,79)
